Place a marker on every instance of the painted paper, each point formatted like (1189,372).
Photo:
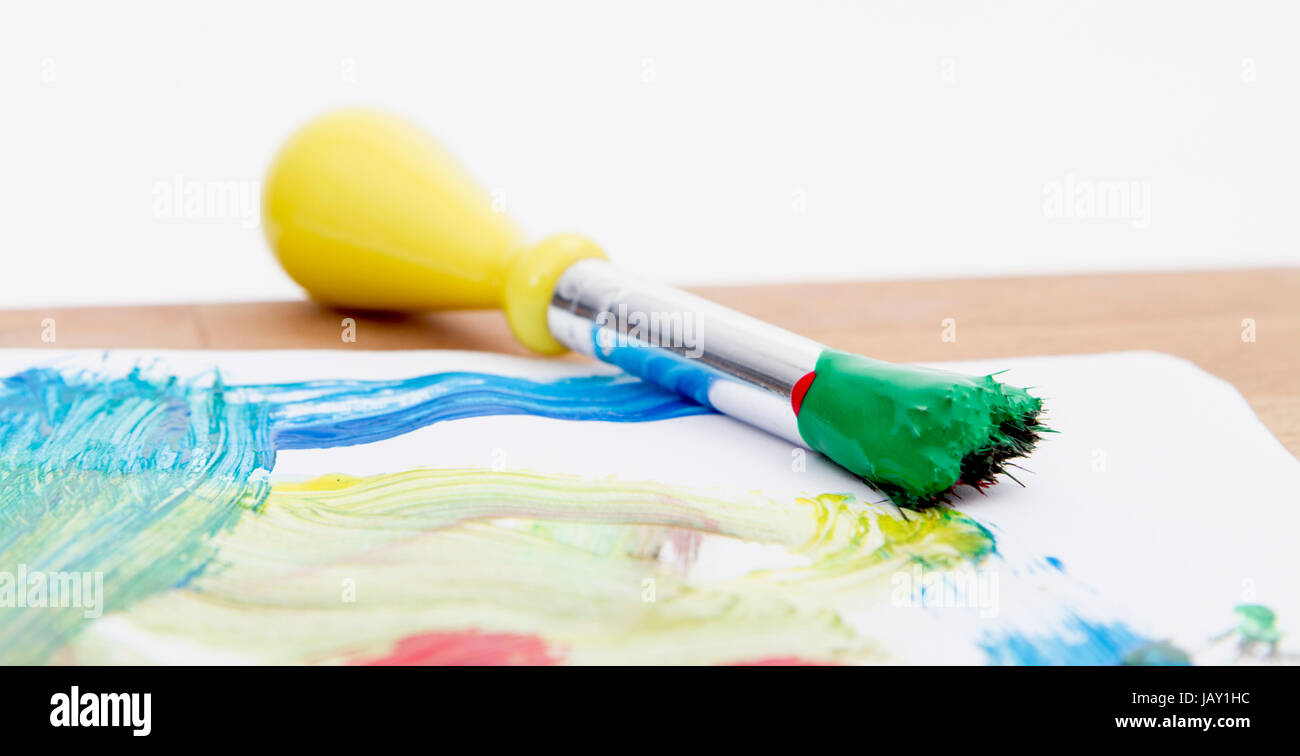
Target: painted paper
(461,508)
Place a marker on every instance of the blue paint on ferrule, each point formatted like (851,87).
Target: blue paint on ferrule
(689,378)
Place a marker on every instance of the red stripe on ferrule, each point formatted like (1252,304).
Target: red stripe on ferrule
(800,388)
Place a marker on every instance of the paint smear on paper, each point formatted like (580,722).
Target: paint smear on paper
(163,486)
(469,648)
(565,559)
(328,413)
(132,476)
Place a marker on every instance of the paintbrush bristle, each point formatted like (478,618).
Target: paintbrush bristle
(980,469)
(917,434)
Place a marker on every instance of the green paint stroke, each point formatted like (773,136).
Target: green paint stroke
(914,432)
(120,484)
(1257,623)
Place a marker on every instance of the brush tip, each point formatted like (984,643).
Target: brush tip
(917,434)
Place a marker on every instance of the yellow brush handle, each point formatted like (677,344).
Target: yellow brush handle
(365,210)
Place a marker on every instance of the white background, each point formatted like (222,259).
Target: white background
(698,142)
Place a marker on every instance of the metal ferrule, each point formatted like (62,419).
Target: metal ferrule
(736,364)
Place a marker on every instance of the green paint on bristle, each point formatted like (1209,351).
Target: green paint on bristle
(913,432)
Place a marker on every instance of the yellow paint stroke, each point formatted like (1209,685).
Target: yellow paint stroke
(604,571)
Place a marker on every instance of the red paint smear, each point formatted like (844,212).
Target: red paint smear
(783,661)
(800,388)
(467,649)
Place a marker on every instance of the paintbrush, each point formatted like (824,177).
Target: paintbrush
(365,210)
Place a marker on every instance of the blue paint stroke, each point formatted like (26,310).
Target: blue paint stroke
(1077,641)
(329,413)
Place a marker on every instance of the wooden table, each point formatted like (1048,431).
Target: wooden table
(1198,316)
